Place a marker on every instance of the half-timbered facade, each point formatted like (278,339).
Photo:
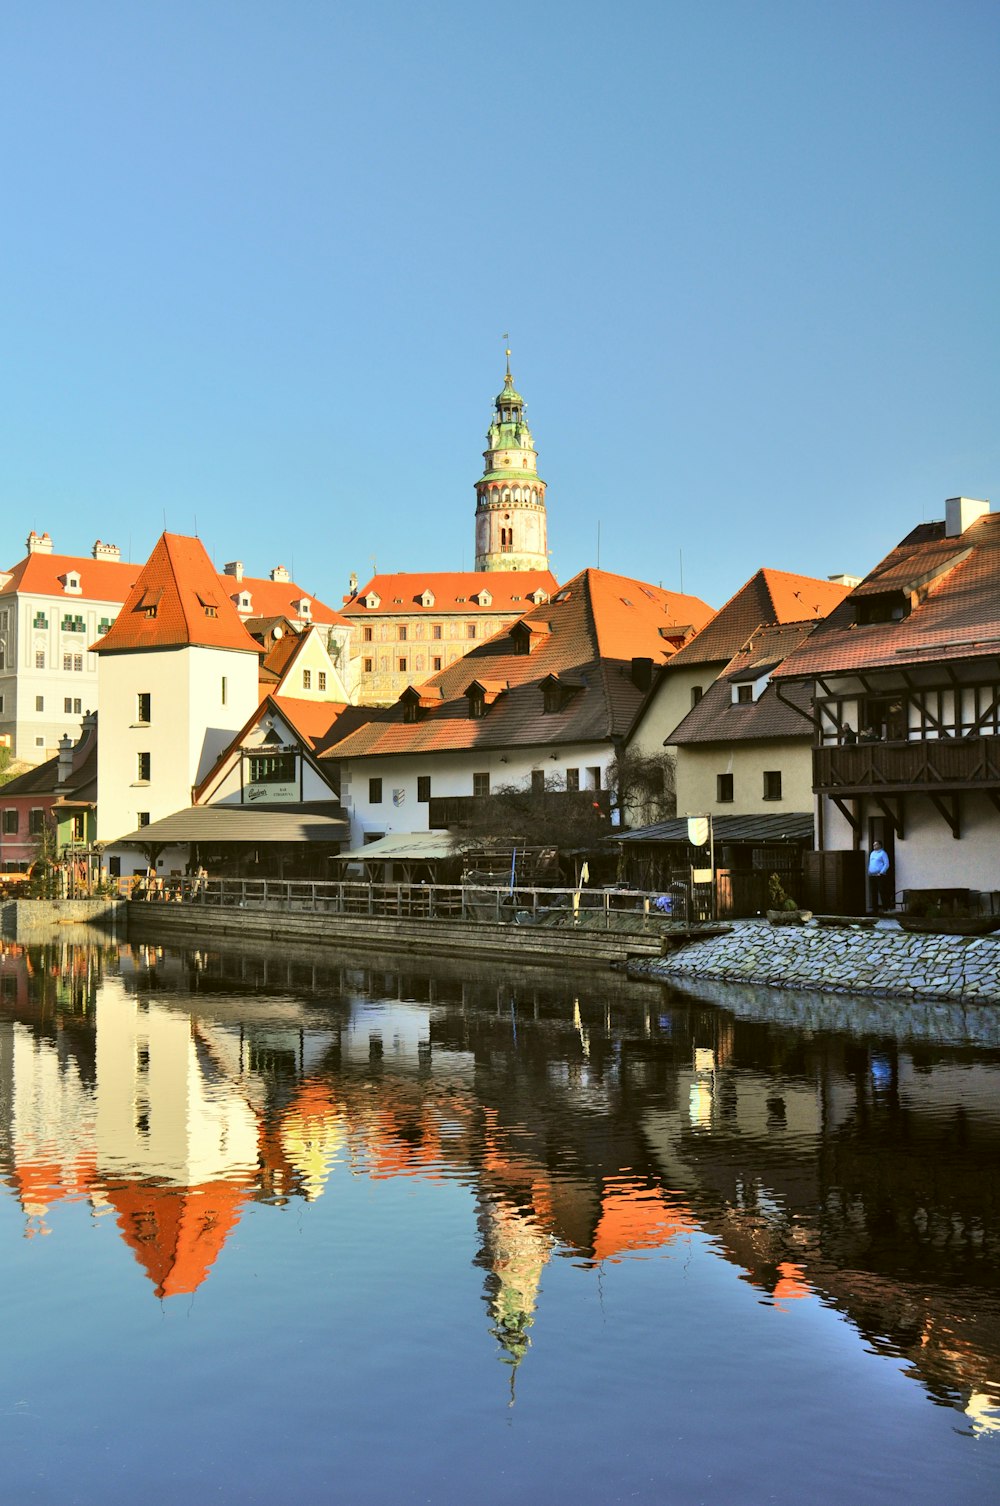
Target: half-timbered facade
(905,678)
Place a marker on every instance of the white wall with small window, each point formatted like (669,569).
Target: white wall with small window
(745,778)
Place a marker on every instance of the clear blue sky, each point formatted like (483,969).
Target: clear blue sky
(258,259)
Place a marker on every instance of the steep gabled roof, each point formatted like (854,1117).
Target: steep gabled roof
(598,623)
(956,616)
(177,601)
(717,719)
(770,596)
(453,591)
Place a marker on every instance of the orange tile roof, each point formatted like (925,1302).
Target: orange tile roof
(453,591)
(100,580)
(274,598)
(637,1217)
(587,613)
(770,596)
(177,601)
(958,617)
(313,720)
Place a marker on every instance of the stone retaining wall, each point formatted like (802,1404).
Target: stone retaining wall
(20,916)
(885,962)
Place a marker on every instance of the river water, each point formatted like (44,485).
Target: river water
(294,1229)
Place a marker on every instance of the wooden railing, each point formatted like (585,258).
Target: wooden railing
(521,906)
(948,764)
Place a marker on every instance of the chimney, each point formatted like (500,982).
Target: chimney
(850,581)
(279,573)
(39,543)
(106,552)
(642,673)
(234,568)
(960,512)
(65,761)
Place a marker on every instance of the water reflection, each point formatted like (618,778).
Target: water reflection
(596,1121)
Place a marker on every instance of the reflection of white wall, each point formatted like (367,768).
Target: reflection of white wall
(157,1115)
(53,1114)
(402,1029)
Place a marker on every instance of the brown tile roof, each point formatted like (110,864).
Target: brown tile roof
(716,719)
(769,596)
(453,591)
(958,617)
(177,601)
(599,623)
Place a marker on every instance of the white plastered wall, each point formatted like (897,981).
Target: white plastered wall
(698,767)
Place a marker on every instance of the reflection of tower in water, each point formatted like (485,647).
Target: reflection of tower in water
(514,1252)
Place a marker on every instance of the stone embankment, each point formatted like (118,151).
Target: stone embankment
(19,917)
(885,962)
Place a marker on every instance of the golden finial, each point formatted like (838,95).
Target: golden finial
(506,337)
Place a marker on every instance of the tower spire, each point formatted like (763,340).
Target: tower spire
(510,495)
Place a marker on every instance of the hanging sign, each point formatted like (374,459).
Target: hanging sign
(697,830)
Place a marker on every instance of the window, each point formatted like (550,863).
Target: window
(68,705)
(307,679)
(552,698)
(401,632)
(436,662)
(436,631)
(480,784)
(374,792)
(594,778)
(36,823)
(423,788)
(143,706)
(538,781)
(39,658)
(78,664)
(402,666)
(104,625)
(77,828)
(367,634)
(272,768)
(39,703)
(224,689)
(368,666)
(142,818)
(696,694)
(1,704)
(73,624)
(143,764)
(744,694)
(68,662)
(40,620)
(724,788)
(572,779)
(10,823)
(322,679)
(77,705)
(772,784)
(211,611)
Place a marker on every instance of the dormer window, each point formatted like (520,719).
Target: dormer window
(71,583)
(477,703)
(426,598)
(888,606)
(243,602)
(373,600)
(538,596)
(304,607)
(484,599)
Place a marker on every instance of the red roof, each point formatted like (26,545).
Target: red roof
(453,591)
(770,596)
(277,598)
(598,623)
(951,588)
(177,601)
(100,580)
(718,719)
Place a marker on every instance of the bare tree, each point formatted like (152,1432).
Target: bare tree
(643,786)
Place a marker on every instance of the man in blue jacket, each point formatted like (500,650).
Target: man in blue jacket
(878,870)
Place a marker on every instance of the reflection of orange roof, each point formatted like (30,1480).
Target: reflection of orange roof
(40,1183)
(637,1217)
(177,1233)
(792,1285)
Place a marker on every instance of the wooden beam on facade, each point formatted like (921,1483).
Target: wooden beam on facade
(950,809)
(850,816)
(895,818)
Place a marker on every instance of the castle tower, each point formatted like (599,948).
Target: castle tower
(510,496)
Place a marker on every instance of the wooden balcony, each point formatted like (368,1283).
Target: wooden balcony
(887,768)
(473,810)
